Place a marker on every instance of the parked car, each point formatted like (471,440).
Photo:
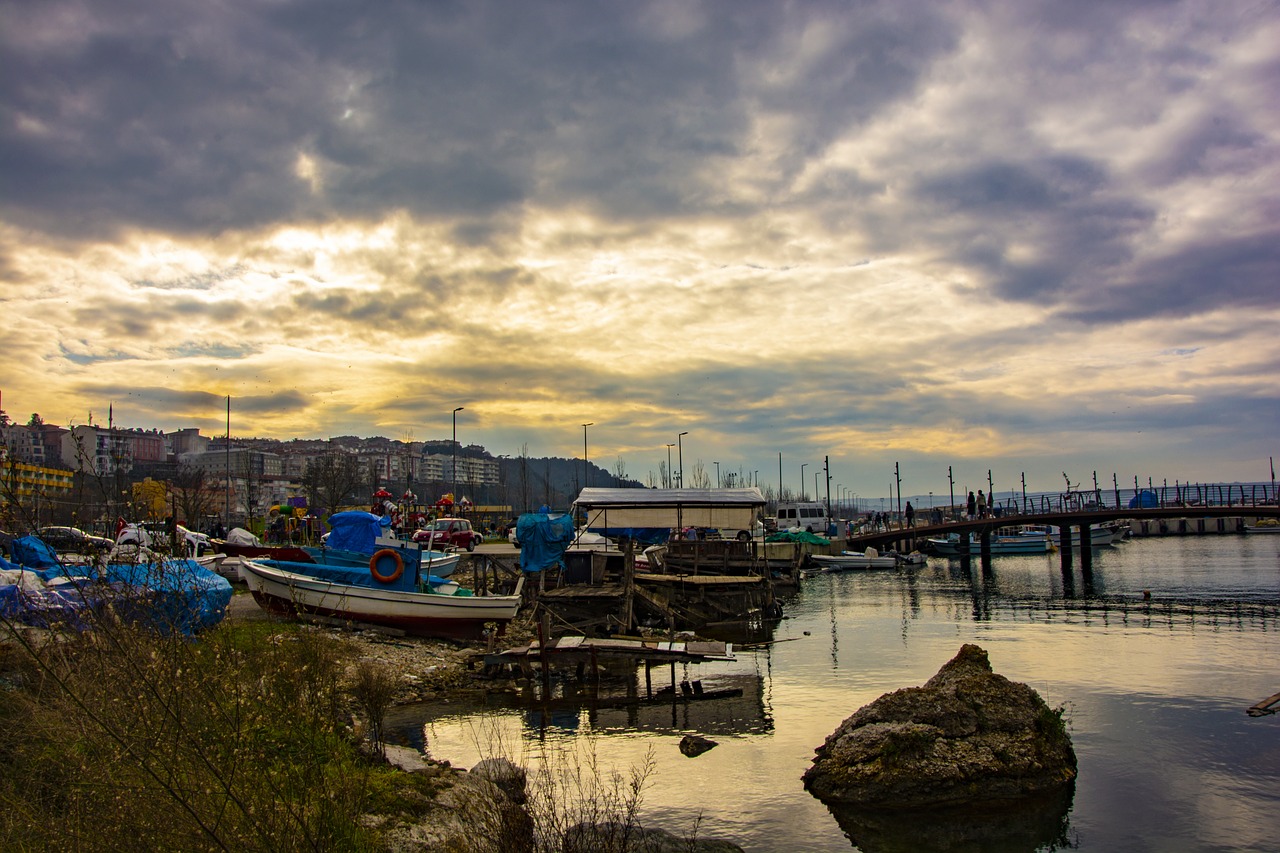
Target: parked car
(154,535)
(444,532)
(73,540)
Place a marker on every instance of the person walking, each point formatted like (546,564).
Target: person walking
(911,515)
(972,506)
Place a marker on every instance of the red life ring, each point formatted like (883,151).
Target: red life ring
(377,574)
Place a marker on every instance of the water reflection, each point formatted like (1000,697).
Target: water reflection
(1155,690)
(1028,825)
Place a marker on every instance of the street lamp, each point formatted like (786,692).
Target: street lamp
(680,450)
(455,454)
(671,477)
(586,471)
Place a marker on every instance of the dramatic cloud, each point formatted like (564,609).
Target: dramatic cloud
(1020,236)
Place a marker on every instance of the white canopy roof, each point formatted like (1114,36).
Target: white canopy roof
(733,509)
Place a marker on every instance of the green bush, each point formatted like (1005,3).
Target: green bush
(241,740)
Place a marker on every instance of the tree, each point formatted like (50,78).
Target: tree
(333,480)
(193,495)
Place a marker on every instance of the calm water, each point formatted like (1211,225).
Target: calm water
(1155,694)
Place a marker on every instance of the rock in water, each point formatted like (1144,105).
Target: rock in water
(968,736)
(694,745)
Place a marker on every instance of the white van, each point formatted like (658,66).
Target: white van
(810,516)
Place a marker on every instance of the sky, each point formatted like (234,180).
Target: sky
(1028,238)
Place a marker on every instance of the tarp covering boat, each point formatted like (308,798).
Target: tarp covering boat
(168,596)
(355,530)
(543,537)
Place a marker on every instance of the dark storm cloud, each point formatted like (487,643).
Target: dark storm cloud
(191,116)
(189,403)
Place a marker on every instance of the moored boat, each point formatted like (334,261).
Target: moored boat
(1022,543)
(1268,525)
(388,593)
(356,536)
(853,560)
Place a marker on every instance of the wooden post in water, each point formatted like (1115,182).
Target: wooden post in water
(1064,544)
(1086,547)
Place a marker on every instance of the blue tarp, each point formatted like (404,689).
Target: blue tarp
(170,596)
(642,535)
(543,539)
(34,553)
(1144,500)
(356,530)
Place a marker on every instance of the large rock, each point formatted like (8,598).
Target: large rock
(967,737)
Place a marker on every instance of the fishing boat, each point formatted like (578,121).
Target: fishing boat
(1099,535)
(389,592)
(1019,543)
(1266,526)
(241,543)
(356,536)
(853,560)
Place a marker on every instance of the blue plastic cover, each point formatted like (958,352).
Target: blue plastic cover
(543,539)
(34,553)
(171,596)
(355,530)
(1144,499)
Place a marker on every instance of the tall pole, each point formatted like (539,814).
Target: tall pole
(898,479)
(802,467)
(826,469)
(680,453)
(671,477)
(718,484)
(227,505)
(455,454)
(952,481)
(586,471)
(779,475)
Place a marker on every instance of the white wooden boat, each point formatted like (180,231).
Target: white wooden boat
(424,607)
(847,561)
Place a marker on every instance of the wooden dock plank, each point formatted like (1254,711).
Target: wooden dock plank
(1261,709)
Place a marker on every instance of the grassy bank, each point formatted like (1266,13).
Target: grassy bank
(241,740)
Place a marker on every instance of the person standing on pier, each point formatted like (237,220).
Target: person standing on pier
(972,506)
(911,515)
(982,504)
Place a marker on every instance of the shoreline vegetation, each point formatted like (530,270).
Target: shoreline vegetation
(266,734)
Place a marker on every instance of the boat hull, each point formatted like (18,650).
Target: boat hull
(424,614)
(292,553)
(852,562)
(436,563)
(999,546)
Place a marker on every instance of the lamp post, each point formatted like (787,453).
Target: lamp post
(680,451)
(586,470)
(802,467)
(671,477)
(718,483)
(455,454)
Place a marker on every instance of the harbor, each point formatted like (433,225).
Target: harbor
(1183,663)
